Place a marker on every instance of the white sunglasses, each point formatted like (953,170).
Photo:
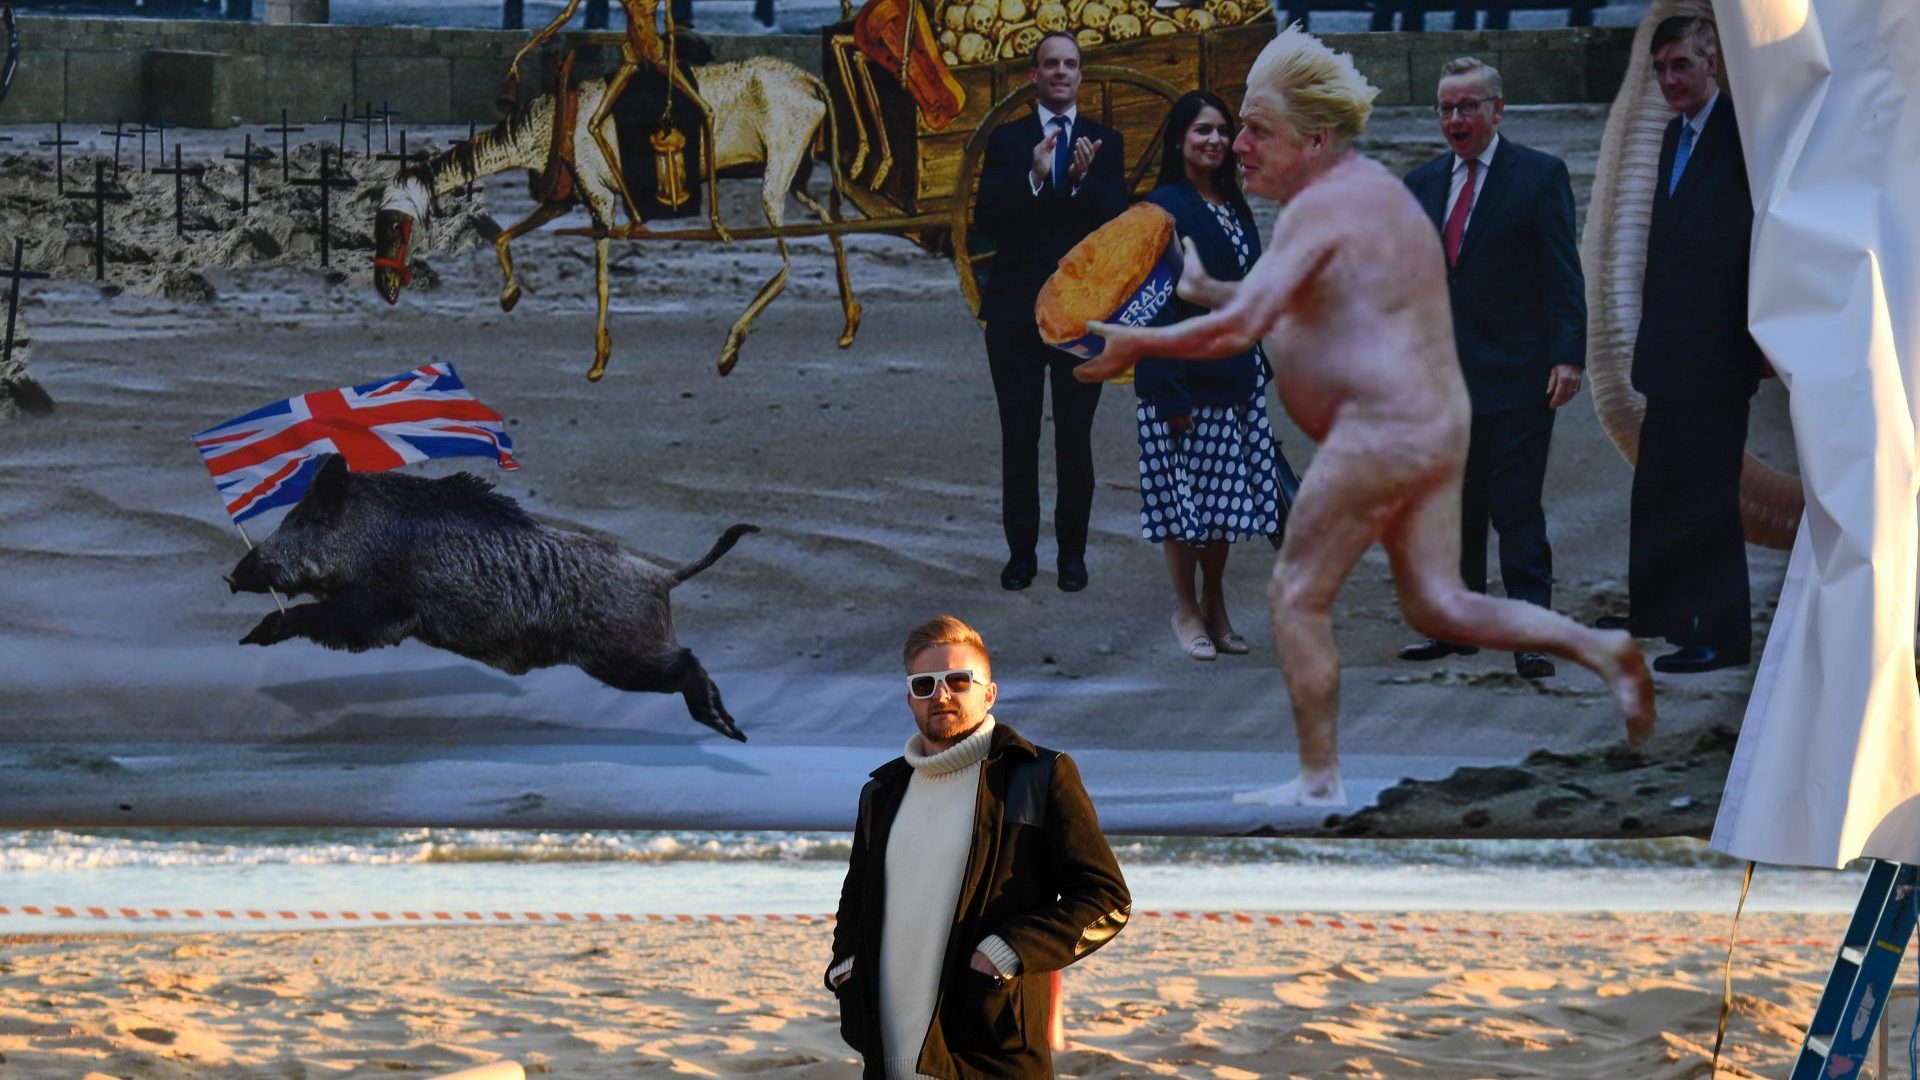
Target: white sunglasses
(927,683)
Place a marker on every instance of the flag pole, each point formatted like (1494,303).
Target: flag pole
(242,530)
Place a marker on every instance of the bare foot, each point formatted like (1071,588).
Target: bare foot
(1310,788)
(1625,670)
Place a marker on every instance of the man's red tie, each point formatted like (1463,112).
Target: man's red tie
(1457,221)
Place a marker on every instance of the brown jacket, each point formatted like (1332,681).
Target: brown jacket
(1039,874)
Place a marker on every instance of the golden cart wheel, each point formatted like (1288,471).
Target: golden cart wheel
(1614,258)
(1102,75)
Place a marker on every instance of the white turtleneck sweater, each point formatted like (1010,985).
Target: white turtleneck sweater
(926,858)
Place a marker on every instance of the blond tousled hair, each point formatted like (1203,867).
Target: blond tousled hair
(944,630)
(1320,89)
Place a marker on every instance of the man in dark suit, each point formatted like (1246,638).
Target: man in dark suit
(1698,367)
(1505,215)
(1049,179)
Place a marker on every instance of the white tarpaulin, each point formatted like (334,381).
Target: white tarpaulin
(1828,764)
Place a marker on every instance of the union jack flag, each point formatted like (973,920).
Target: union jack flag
(268,457)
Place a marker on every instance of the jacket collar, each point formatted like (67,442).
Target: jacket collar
(1046,115)
(1493,190)
(1485,157)
(1716,120)
(1698,122)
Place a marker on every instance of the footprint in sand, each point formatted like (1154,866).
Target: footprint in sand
(1181,992)
(1352,974)
(684,1044)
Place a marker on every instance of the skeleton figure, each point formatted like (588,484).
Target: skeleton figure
(770,115)
(642,45)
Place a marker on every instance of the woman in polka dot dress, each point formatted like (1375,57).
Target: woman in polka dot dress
(1208,474)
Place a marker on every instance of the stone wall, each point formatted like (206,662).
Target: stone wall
(207,73)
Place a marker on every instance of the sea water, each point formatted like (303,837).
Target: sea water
(751,873)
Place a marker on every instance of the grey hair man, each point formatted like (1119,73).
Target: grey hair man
(1504,213)
(975,821)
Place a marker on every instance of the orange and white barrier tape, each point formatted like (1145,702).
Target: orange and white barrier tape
(1324,922)
(457,917)
(1236,918)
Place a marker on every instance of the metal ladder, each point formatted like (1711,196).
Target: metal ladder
(1862,977)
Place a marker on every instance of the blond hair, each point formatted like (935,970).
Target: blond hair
(1320,89)
(944,630)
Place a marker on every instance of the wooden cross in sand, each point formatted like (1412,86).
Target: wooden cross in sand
(246,158)
(180,173)
(59,142)
(145,129)
(119,134)
(101,196)
(161,125)
(345,118)
(467,190)
(365,123)
(386,114)
(365,120)
(14,277)
(403,157)
(286,151)
(326,182)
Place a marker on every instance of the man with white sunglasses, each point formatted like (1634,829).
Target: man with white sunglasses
(978,867)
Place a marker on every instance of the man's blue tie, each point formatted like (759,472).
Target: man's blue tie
(1680,156)
(1062,153)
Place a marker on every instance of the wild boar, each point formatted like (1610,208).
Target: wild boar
(453,563)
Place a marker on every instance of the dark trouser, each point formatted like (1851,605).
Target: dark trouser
(1022,366)
(763,11)
(1687,553)
(1506,473)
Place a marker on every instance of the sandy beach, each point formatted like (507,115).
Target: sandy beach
(1609,997)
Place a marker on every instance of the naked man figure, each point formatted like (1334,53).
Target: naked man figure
(1351,297)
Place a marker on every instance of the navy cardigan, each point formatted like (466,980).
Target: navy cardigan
(1174,387)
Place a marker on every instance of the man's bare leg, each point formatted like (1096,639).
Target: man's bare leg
(1423,545)
(1331,525)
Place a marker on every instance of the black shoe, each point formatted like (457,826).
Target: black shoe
(1693,659)
(1432,649)
(1612,622)
(1073,573)
(1532,665)
(1018,573)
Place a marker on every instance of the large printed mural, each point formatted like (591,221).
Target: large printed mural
(242,579)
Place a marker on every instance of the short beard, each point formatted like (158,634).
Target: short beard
(925,738)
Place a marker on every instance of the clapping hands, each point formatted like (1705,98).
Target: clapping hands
(1084,150)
